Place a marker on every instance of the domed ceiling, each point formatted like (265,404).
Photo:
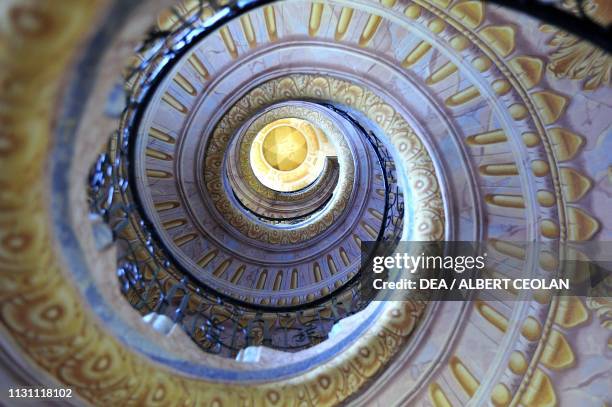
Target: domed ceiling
(187,188)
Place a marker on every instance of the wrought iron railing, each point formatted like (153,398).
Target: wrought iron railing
(154,283)
(394,202)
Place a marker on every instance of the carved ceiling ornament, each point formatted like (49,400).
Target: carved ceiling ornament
(576,59)
(245,140)
(287,154)
(301,204)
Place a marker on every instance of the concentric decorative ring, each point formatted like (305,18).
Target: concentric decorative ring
(322,169)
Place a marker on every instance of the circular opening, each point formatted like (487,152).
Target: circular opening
(284,148)
(286,155)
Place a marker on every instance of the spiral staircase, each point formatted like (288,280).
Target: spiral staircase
(186,188)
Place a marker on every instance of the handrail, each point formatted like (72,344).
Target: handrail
(217,324)
(154,283)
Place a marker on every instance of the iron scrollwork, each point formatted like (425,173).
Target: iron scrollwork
(154,284)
